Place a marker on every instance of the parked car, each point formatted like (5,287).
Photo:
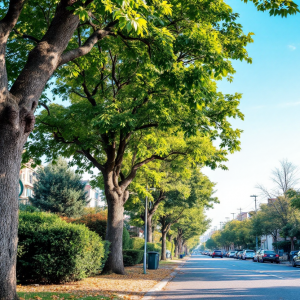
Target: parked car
(296,259)
(256,255)
(217,253)
(237,254)
(292,254)
(231,254)
(240,254)
(268,255)
(248,254)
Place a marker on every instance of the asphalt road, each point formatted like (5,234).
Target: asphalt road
(203,277)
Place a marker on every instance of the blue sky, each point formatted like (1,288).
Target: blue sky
(271,105)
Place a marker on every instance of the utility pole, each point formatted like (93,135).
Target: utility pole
(256,241)
(221,225)
(233,216)
(145,235)
(240,209)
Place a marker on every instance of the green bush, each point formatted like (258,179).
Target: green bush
(28,208)
(136,243)
(153,247)
(94,221)
(106,252)
(53,251)
(169,245)
(132,257)
(126,239)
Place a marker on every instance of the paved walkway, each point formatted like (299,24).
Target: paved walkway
(204,277)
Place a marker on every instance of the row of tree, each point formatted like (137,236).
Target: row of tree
(176,207)
(140,81)
(279,217)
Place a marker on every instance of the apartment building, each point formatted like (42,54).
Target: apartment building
(27,179)
(95,195)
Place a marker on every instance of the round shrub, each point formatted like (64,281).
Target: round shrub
(132,257)
(126,239)
(54,251)
(94,221)
(136,243)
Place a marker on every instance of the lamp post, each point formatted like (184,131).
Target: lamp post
(145,231)
(256,241)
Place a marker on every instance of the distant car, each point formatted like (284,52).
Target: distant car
(292,254)
(296,259)
(248,254)
(237,254)
(231,254)
(268,255)
(217,253)
(256,255)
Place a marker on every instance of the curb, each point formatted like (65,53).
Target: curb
(158,287)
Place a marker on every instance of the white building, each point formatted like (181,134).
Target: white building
(27,178)
(95,195)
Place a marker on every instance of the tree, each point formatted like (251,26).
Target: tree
(138,99)
(285,178)
(31,50)
(190,227)
(281,201)
(184,212)
(211,243)
(165,177)
(282,8)
(59,190)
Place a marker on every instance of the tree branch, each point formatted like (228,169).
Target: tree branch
(124,183)
(93,160)
(26,36)
(88,45)
(12,16)
(146,126)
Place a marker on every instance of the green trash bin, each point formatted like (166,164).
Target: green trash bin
(153,260)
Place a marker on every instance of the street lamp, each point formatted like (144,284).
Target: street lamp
(256,241)
(145,230)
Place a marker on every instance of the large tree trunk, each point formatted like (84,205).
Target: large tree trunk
(163,245)
(176,248)
(179,245)
(11,145)
(114,233)
(149,229)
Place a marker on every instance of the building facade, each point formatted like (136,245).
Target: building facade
(95,195)
(27,179)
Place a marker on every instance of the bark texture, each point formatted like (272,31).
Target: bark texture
(10,160)
(17,107)
(163,246)
(116,197)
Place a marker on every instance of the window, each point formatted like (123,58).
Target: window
(96,195)
(28,192)
(30,178)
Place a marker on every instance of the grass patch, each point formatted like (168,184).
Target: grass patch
(61,296)
(166,262)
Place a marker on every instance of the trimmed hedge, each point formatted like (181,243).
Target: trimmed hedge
(95,222)
(136,243)
(153,247)
(126,239)
(132,257)
(54,251)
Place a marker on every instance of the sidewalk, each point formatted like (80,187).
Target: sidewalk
(131,286)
